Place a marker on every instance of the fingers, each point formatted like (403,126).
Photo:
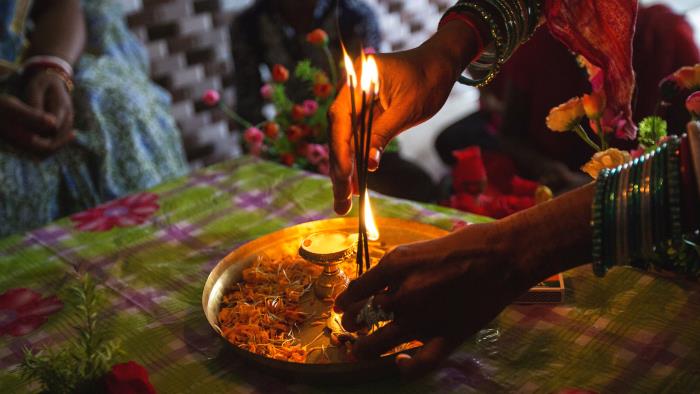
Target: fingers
(29,118)
(427,358)
(373,281)
(341,152)
(60,106)
(381,341)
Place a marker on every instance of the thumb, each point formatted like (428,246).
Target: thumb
(386,126)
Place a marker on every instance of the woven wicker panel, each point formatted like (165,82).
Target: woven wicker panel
(188,43)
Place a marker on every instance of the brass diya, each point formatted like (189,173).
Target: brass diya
(329,249)
(335,366)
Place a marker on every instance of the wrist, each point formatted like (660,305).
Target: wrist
(454,45)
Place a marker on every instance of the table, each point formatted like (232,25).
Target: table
(630,331)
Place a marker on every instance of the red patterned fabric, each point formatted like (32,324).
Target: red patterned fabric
(602,32)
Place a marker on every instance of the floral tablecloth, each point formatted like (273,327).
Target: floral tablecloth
(151,254)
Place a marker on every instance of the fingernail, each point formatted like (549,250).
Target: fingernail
(401,358)
(374,156)
(343,207)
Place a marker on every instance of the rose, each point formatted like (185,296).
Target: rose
(128,377)
(287,159)
(609,158)
(253,136)
(294,133)
(692,103)
(317,37)
(279,73)
(271,130)
(310,107)
(266,91)
(322,90)
(298,112)
(315,153)
(211,97)
(566,116)
(594,104)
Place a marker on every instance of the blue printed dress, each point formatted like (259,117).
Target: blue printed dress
(126,138)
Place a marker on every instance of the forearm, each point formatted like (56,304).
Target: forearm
(456,43)
(552,237)
(60,30)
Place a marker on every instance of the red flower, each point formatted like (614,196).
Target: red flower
(23,311)
(271,130)
(294,133)
(124,212)
(287,159)
(128,378)
(298,112)
(279,73)
(317,37)
(211,97)
(323,90)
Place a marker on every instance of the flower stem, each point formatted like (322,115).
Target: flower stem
(601,134)
(578,129)
(228,111)
(331,65)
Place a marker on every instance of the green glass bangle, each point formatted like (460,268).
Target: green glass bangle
(597,222)
(645,208)
(674,206)
(622,225)
(633,243)
(610,218)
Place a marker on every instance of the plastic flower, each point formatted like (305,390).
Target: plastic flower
(128,377)
(253,136)
(315,153)
(124,212)
(23,311)
(271,130)
(594,104)
(298,112)
(211,97)
(280,74)
(310,107)
(317,37)
(609,158)
(287,159)
(566,116)
(323,90)
(692,103)
(266,91)
(688,77)
(294,133)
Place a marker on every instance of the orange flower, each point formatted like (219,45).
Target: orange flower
(317,37)
(271,130)
(594,104)
(688,77)
(323,90)
(280,74)
(566,116)
(609,158)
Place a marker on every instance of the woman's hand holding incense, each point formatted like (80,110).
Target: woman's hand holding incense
(414,85)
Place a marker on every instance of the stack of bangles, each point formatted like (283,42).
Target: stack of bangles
(509,22)
(51,64)
(645,212)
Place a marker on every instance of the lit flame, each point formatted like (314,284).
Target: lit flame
(370,75)
(370,225)
(349,69)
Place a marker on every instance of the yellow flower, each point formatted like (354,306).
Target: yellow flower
(594,105)
(688,77)
(609,158)
(566,116)
(543,194)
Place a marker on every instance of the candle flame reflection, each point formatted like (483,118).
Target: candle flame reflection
(372,231)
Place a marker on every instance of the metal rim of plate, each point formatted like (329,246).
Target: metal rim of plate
(230,268)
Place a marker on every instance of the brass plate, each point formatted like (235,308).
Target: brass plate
(286,242)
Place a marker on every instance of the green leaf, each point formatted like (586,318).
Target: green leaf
(305,71)
(651,130)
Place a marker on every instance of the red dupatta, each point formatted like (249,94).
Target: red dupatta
(602,32)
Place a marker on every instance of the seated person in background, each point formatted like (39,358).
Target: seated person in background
(542,74)
(274,32)
(71,140)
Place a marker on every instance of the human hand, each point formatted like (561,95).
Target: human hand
(30,129)
(47,92)
(440,291)
(414,85)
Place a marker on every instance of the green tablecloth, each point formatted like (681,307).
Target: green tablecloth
(630,331)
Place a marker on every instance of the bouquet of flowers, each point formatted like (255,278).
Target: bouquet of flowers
(297,135)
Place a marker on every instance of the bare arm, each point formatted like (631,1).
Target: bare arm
(60,29)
